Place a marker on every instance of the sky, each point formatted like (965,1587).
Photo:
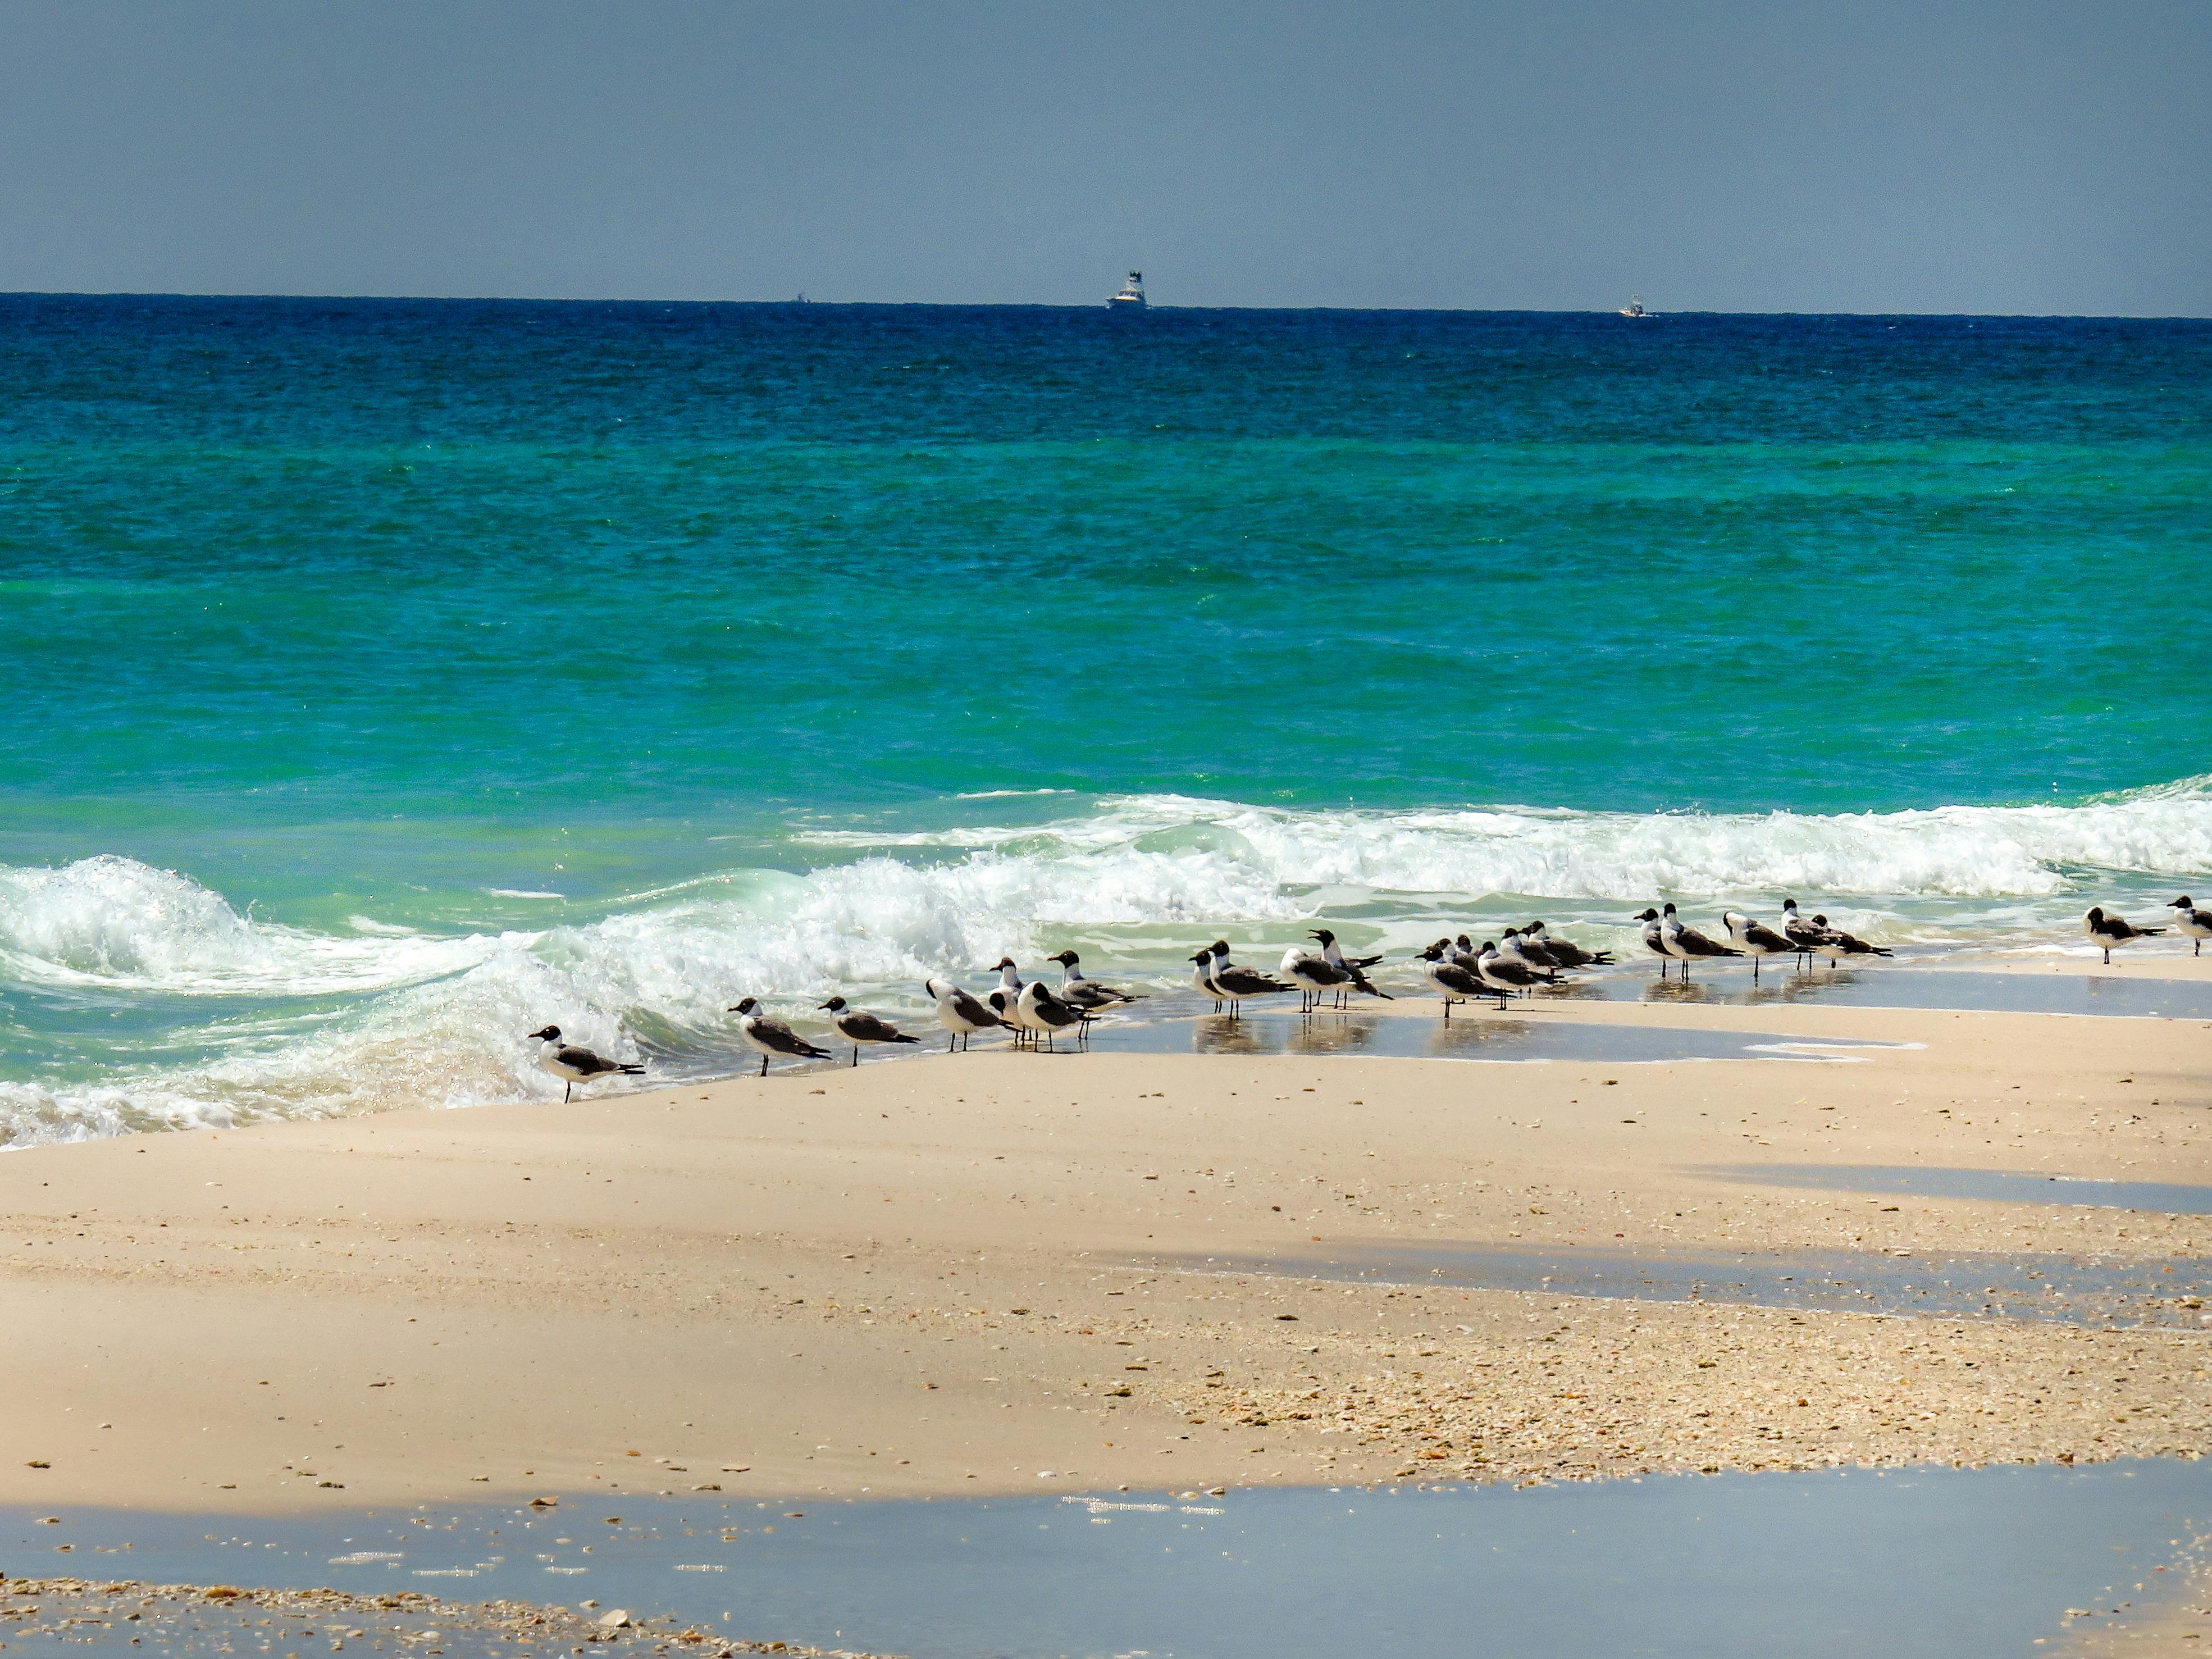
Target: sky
(2024,157)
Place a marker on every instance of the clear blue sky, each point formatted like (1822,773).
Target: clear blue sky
(2021,157)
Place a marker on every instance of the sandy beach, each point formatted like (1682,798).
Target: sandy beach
(987,1273)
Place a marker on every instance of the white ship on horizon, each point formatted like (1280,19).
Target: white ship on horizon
(1634,307)
(1132,294)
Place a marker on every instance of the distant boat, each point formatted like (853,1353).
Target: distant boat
(1634,307)
(1131,296)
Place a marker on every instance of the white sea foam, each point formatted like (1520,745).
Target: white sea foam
(1953,851)
(411,1018)
(116,923)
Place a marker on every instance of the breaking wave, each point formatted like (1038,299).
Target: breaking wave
(269,1020)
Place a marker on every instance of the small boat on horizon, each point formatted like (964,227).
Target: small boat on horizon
(1634,307)
(1132,294)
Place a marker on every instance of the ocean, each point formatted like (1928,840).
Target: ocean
(385,680)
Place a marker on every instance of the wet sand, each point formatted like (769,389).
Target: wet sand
(926,1278)
(228,1619)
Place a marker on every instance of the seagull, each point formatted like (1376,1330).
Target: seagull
(1007,999)
(1318,976)
(857,1026)
(2109,931)
(764,1031)
(1564,952)
(1516,946)
(1452,982)
(1756,938)
(1685,944)
(2193,922)
(1506,974)
(1836,943)
(1201,978)
(1236,983)
(1333,953)
(1315,977)
(1799,932)
(1462,951)
(1079,992)
(1652,942)
(573,1065)
(959,1013)
(1042,1011)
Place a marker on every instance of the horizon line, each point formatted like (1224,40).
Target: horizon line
(1101,307)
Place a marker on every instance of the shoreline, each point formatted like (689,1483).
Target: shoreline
(916,1280)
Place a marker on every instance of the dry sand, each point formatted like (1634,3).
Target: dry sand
(920,1278)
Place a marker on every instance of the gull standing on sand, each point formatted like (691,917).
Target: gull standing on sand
(1756,940)
(1007,999)
(1201,978)
(1333,954)
(1687,944)
(2109,931)
(1448,978)
(573,1065)
(2193,922)
(771,1036)
(1513,945)
(1317,977)
(1563,952)
(959,1013)
(1800,933)
(1236,983)
(1654,942)
(857,1026)
(1836,943)
(1077,990)
(1506,974)
(1040,1011)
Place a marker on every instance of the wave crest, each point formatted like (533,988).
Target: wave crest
(405,1017)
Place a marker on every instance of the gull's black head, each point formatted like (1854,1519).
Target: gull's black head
(1464,943)
(1002,962)
(1221,947)
(746,1006)
(550,1034)
(1648,914)
(1669,909)
(2181,903)
(1323,935)
(1202,956)
(833,1004)
(2096,914)
(1066,958)
(1488,946)
(1435,952)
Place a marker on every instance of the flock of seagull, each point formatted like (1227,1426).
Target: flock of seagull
(1456,969)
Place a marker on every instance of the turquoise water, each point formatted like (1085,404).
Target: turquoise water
(385,680)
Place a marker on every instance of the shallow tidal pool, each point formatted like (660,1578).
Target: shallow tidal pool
(1943,1564)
